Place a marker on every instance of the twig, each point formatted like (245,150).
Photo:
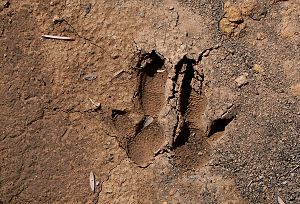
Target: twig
(294,169)
(55,37)
(249,184)
(80,36)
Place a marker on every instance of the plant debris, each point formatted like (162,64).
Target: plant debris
(92,181)
(55,37)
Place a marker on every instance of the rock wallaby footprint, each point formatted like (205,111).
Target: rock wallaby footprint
(146,138)
(169,111)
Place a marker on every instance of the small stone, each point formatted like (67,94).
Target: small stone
(90,77)
(226,26)
(57,19)
(171,8)
(260,36)
(87,8)
(110,157)
(142,14)
(241,80)
(6,4)
(258,12)
(217,46)
(206,53)
(239,28)
(292,198)
(248,6)
(233,13)
(115,55)
(172,192)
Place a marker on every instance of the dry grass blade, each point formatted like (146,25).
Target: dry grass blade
(160,70)
(92,181)
(280,201)
(94,103)
(55,37)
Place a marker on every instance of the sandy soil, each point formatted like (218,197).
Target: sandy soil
(158,101)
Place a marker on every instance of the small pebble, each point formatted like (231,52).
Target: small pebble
(110,157)
(206,53)
(90,77)
(226,26)
(258,13)
(57,19)
(233,14)
(241,80)
(142,14)
(87,8)
(108,191)
(6,4)
(260,36)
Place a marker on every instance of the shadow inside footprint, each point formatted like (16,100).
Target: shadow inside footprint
(152,81)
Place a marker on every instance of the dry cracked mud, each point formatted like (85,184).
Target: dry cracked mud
(160,101)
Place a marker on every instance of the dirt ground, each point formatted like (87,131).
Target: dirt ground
(158,101)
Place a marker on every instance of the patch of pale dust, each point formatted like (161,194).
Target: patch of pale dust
(125,181)
(295,89)
(292,70)
(159,183)
(221,100)
(290,24)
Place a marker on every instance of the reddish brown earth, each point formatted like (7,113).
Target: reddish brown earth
(164,101)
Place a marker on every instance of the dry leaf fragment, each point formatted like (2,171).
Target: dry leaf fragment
(148,120)
(92,181)
(280,201)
